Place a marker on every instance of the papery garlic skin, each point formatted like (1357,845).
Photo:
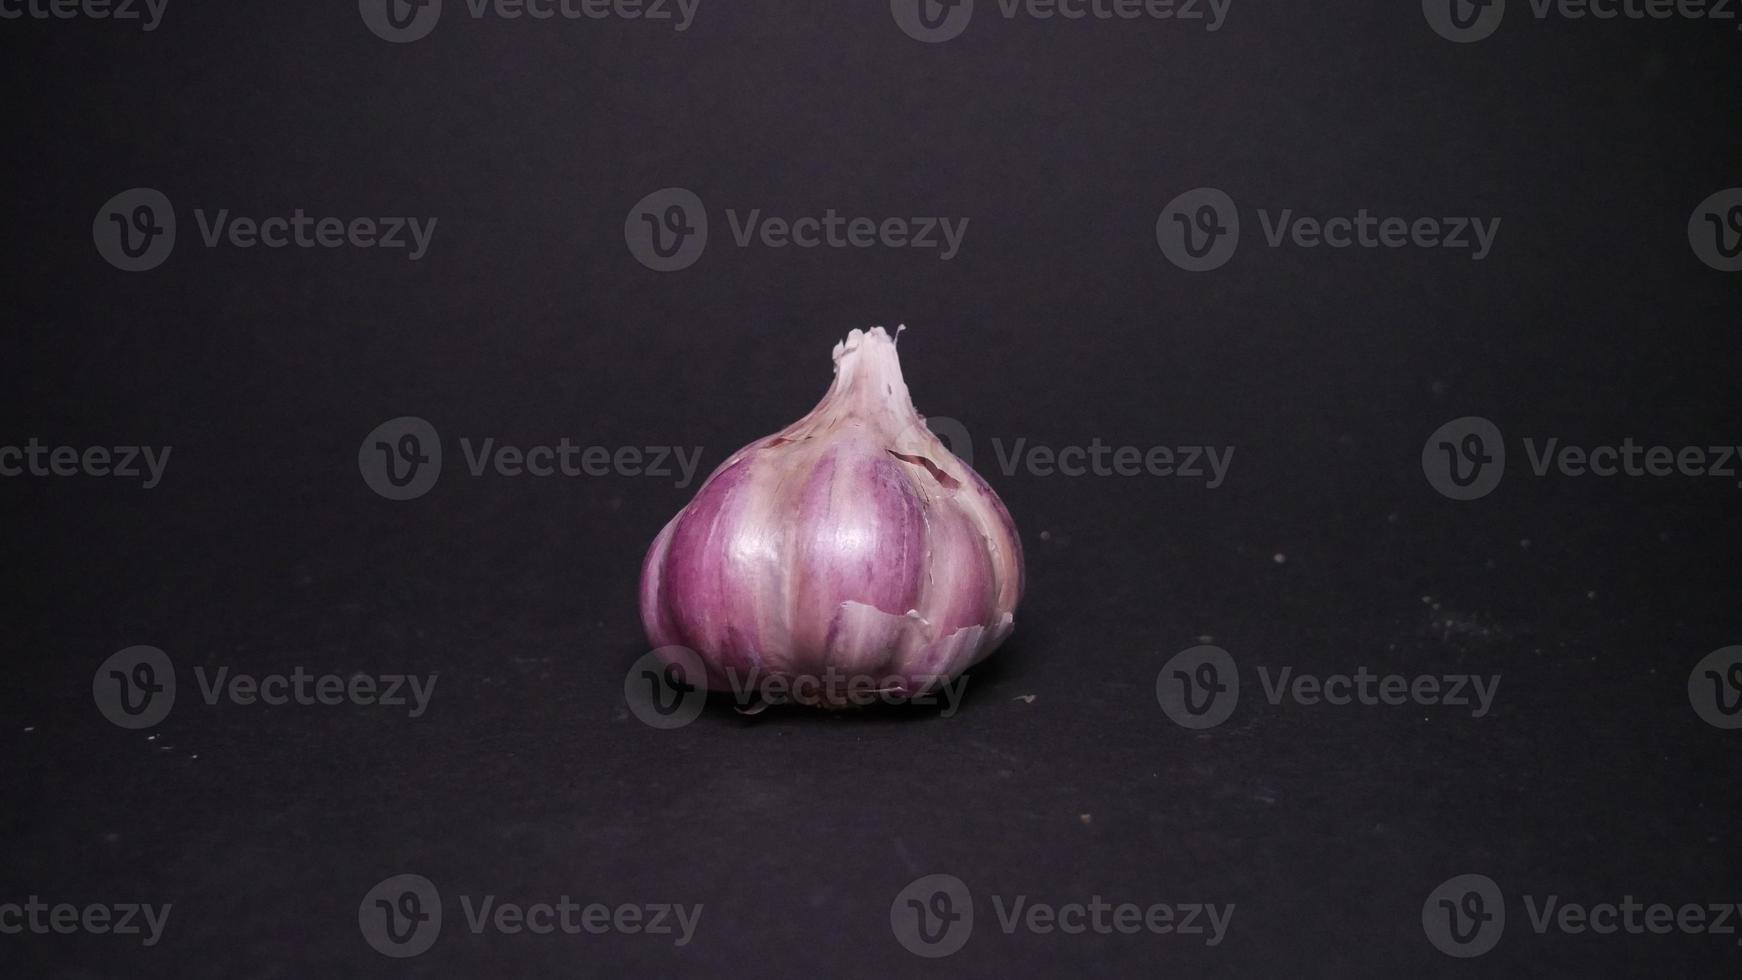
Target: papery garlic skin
(851,544)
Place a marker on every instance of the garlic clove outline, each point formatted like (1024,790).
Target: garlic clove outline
(851,544)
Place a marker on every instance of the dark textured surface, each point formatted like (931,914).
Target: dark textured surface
(1060,322)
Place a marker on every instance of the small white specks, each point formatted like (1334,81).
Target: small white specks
(1046,535)
(29,728)
(1206,638)
(1024,698)
(1590,595)
(151,738)
(1279,558)
(1086,818)
(1524,542)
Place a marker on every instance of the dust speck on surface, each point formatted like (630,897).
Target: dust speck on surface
(1449,623)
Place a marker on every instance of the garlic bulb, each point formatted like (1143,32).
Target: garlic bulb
(849,549)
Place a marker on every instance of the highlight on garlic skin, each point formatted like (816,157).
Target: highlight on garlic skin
(850,548)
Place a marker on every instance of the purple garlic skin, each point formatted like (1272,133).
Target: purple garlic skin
(851,544)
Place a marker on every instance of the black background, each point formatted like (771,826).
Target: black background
(1059,322)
